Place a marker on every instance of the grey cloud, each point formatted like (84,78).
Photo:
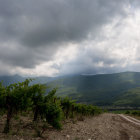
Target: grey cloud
(34,30)
(70,20)
(21,56)
(39,23)
(134,3)
(93,61)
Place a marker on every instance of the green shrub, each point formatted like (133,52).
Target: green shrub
(67,106)
(22,97)
(127,112)
(53,114)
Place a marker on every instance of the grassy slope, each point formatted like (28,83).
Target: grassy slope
(130,97)
(105,89)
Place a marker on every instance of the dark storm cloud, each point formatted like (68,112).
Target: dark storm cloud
(71,20)
(37,23)
(21,56)
(33,30)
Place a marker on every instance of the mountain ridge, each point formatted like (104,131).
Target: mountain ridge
(102,89)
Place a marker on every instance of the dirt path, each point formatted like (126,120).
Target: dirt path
(130,119)
(103,127)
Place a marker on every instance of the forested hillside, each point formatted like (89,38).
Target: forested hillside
(104,89)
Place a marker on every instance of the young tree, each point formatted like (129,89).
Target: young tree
(15,99)
(38,91)
(2,91)
(46,106)
(67,106)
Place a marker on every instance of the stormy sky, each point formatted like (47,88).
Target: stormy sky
(60,37)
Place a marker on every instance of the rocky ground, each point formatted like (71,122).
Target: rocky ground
(103,127)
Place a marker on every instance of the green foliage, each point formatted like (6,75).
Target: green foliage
(87,110)
(46,106)
(132,112)
(67,106)
(23,97)
(71,108)
(127,112)
(53,114)
(2,95)
(136,113)
(37,99)
(14,99)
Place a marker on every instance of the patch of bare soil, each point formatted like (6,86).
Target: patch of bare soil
(103,127)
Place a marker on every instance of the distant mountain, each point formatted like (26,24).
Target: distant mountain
(103,90)
(16,78)
(11,79)
(119,89)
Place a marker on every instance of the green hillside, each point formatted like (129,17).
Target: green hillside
(131,97)
(120,89)
(102,90)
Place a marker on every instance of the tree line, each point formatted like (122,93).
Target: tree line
(44,105)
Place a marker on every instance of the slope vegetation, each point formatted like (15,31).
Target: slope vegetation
(119,89)
(104,90)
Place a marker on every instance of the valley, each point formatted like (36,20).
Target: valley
(115,90)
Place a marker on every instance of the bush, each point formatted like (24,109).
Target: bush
(67,106)
(23,97)
(136,113)
(127,112)
(53,115)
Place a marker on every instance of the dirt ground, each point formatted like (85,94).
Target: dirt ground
(103,127)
